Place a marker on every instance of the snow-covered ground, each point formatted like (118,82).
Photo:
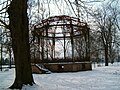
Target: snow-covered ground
(100,78)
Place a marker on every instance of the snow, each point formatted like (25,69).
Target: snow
(100,78)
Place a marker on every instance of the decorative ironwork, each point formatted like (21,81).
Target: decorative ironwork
(61,39)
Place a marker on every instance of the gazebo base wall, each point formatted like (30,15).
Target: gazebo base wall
(68,67)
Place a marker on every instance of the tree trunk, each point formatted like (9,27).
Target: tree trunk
(20,43)
(106,55)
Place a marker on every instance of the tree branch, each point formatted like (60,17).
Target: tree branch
(5,25)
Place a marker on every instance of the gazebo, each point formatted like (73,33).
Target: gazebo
(61,43)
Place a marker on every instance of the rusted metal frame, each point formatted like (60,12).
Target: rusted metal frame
(56,18)
(38,46)
(40,25)
(59,37)
(88,44)
(46,31)
(38,33)
(64,38)
(81,26)
(53,46)
(86,37)
(34,54)
(39,28)
(60,18)
(42,46)
(81,44)
(72,41)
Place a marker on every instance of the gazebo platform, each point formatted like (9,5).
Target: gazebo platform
(68,66)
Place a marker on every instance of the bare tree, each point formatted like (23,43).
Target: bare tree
(20,42)
(17,23)
(106,20)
